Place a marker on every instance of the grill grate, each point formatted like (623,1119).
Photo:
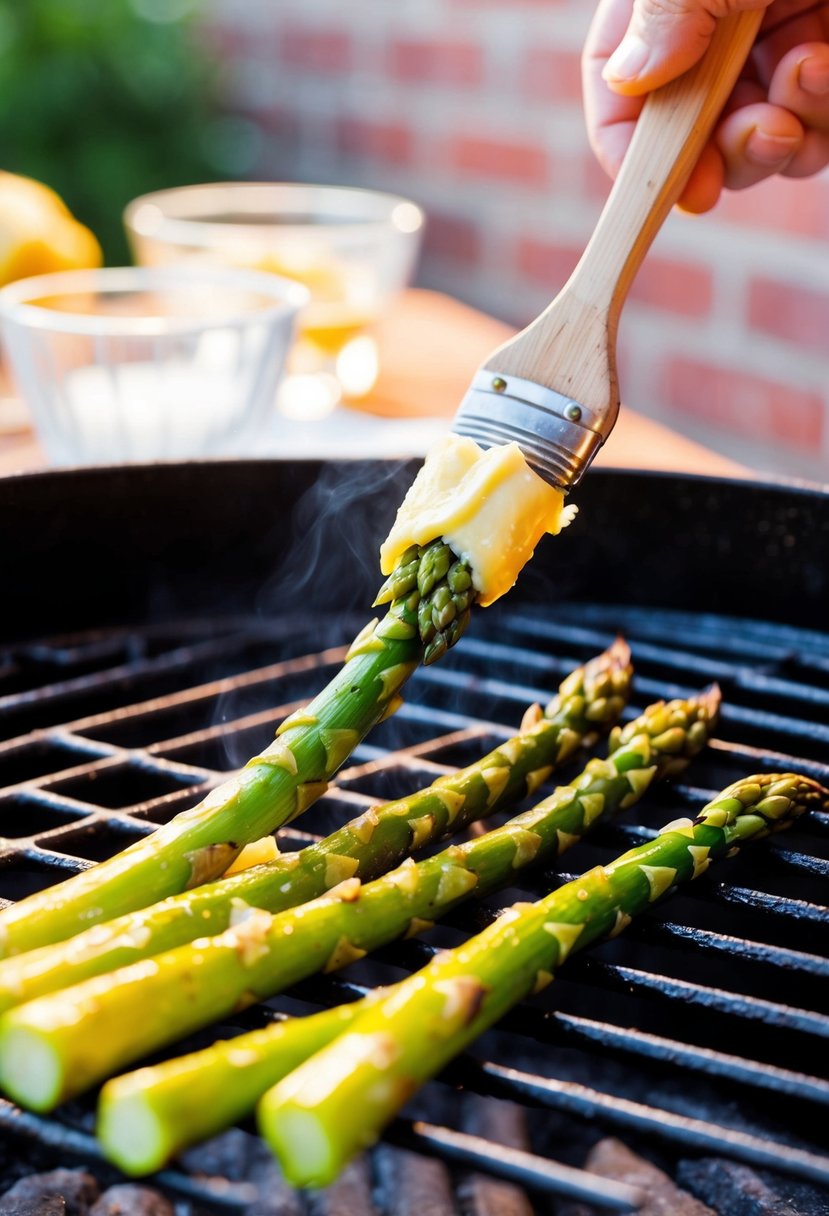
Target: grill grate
(700,1029)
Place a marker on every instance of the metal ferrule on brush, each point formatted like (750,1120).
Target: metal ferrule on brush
(558,436)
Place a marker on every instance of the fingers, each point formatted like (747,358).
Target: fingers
(663,39)
(800,84)
(812,156)
(757,141)
(610,118)
(777,120)
(705,184)
(789,134)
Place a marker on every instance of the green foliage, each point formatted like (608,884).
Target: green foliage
(106,99)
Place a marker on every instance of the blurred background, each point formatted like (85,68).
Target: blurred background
(470,108)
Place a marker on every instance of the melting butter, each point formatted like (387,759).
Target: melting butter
(489,506)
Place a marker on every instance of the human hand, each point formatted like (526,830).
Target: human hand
(777,119)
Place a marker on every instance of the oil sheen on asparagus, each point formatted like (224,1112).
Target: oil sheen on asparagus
(589,700)
(273,788)
(57,1045)
(336,930)
(338,1102)
(501,507)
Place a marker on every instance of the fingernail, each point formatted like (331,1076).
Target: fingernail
(627,60)
(766,149)
(813,76)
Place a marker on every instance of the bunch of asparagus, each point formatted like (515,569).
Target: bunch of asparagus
(391,1045)
(589,701)
(190,956)
(325,934)
(56,1045)
(431,595)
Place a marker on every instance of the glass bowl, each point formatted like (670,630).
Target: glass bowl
(353,249)
(144,364)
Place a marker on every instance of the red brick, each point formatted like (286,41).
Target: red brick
(681,287)
(546,263)
(452,238)
(456,63)
(512,161)
(319,50)
(747,404)
(797,314)
(552,75)
(780,204)
(392,142)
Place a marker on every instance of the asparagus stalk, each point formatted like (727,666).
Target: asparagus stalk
(338,1102)
(354,920)
(273,788)
(147,1117)
(57,1045)
(590,699)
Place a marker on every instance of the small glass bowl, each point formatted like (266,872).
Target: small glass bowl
(353,249)
(143,364)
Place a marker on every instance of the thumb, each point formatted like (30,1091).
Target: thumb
(663,39)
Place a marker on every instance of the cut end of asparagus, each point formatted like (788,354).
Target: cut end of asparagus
(300,1142)
(131,1135)
(30,1069)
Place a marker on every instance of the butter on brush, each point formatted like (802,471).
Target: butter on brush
(488,506)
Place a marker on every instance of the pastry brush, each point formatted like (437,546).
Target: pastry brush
(553,389)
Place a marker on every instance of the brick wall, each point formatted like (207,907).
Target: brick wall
(472,108)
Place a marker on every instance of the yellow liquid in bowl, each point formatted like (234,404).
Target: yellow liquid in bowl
(330,321)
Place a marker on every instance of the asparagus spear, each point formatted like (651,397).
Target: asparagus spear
(147,1117)
(273,788)
(338,1102)
(330,933)
(590,699)
(444,584)
(57,1045)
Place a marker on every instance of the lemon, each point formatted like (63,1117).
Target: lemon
(38,233)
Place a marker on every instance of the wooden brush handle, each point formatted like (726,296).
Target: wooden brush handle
(570,347)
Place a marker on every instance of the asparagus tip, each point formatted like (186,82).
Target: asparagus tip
(618,652)
(615,658)
(711,699)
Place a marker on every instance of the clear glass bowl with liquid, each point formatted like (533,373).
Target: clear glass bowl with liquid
(132,363)
(353,249)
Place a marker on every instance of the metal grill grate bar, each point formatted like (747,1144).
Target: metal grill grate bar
(698,1134)
(773,905)
(777,691)
(571,1029)
(705,941)
(666,988)
(516,1165)
(71,1143)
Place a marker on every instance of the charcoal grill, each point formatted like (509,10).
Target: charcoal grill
(158,620)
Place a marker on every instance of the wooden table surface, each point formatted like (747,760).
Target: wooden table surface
(430,345)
